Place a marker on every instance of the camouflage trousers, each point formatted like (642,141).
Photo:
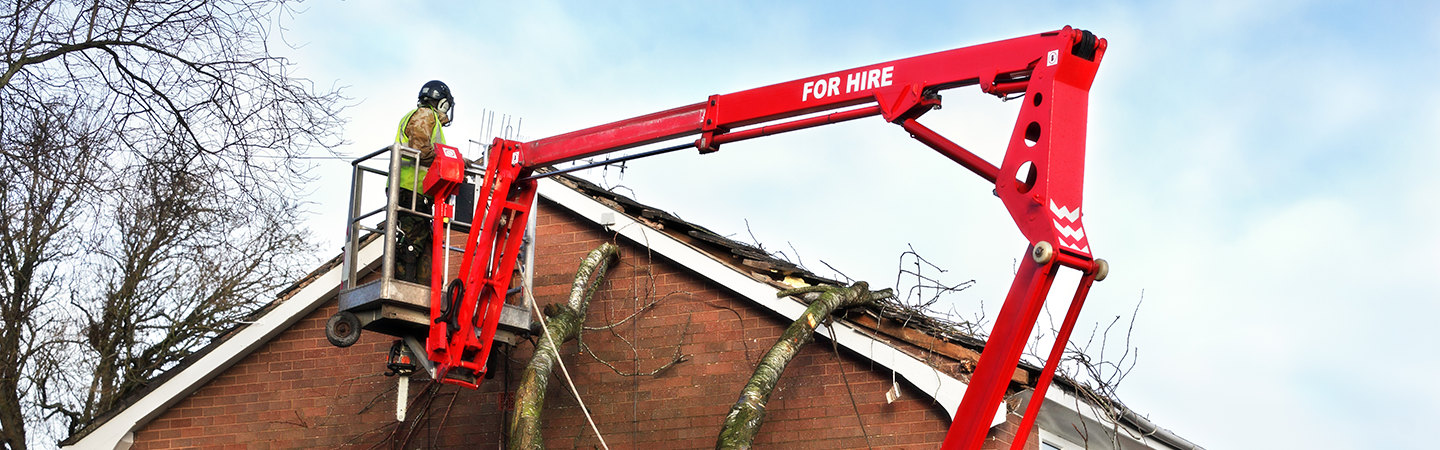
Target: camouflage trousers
(413,237)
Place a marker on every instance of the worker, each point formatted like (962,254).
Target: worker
(420,129)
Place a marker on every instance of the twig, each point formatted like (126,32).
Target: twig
(752,236)
(837,271)
(799,261)
(367,433)
(739,318)
(637,312)
(678,358)
(376,399)
(299,421)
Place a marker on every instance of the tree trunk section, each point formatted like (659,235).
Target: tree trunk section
(563,324)
(745,418)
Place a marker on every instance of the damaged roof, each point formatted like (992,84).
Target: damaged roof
(766,267)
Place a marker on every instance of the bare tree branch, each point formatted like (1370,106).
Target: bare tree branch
(565,323)
(743,422)
(148,158)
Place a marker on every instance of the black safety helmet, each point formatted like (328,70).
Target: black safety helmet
(436,94)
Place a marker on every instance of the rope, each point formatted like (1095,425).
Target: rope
(530,299)
(830,325)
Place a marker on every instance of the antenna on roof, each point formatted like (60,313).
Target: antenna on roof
(509,129)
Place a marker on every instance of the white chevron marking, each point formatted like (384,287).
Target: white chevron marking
(1073,233)
(1085,250)
(1061,211)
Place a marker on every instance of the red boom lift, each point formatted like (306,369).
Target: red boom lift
(1039,182)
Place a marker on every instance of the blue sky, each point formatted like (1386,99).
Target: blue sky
(1261,172)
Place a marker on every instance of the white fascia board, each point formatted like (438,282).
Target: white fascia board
(117,433)
(946,390)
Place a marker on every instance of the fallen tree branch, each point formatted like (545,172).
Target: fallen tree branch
(743,422)
(564,323)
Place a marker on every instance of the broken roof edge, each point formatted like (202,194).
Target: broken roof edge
(762,265)
(945,389)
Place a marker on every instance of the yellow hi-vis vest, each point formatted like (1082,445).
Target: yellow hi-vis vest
(410,178)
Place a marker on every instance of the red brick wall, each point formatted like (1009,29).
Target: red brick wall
(297,391)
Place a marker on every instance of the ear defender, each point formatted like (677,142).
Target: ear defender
(446,107)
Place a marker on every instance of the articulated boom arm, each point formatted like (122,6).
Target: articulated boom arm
(1039,182)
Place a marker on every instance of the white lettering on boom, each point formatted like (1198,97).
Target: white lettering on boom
(854,82)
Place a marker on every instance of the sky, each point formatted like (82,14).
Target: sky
(1255,171)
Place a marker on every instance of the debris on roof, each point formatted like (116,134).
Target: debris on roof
(747,258)
(782,273)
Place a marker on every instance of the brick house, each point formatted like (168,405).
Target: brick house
(276,383)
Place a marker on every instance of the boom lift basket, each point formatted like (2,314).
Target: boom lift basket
(372,297)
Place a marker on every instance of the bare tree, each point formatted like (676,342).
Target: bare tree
(172,71)
(36,207)
(150,177)
(178,266)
